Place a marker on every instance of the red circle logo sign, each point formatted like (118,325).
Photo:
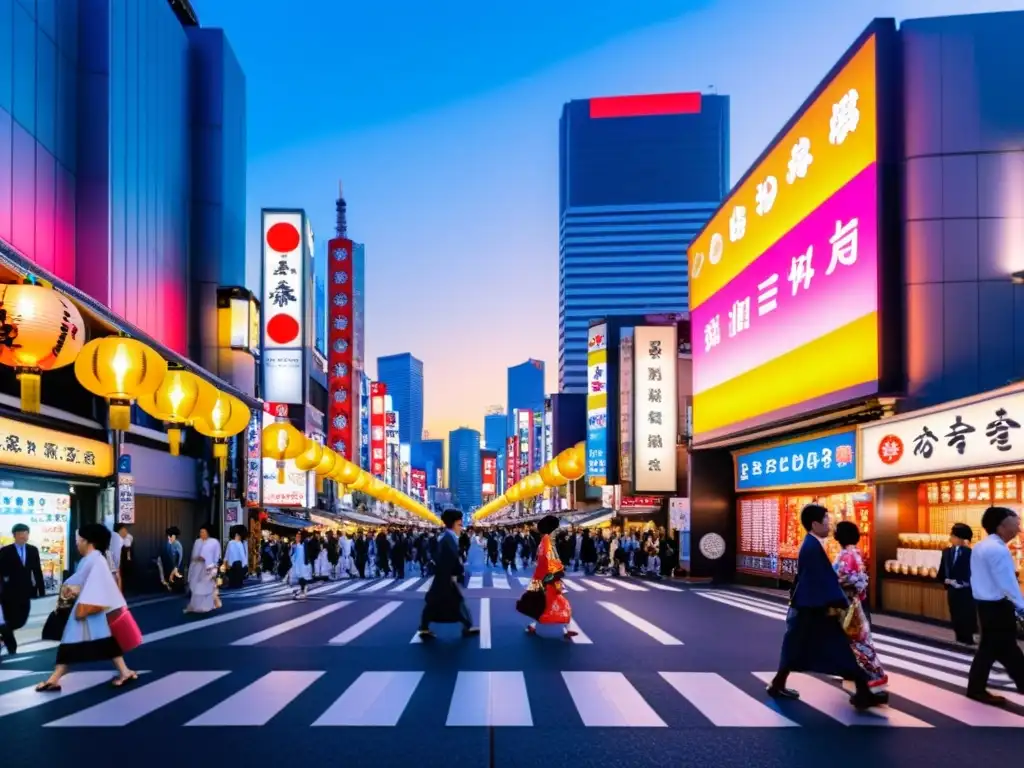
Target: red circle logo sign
(890,450)
(283,237)
(282,329)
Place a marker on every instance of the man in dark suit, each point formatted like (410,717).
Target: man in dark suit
(21,579)
(444,601)
(955,573)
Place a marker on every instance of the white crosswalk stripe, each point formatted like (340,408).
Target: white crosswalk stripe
(602,699)
(425,585)
(377,586)
(362,626)
(640,623)
(597,585)
(404,585)
(476,582)
(500,581)
(288,626)
(571,585)
(629,586)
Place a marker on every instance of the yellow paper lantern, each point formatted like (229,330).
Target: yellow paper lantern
(550,475)
(119,370)
(282,441)
(570,465)
(512,494)
(361,481)
(325,467)
(175,403)
(310,458)
(348,472)
(40,330)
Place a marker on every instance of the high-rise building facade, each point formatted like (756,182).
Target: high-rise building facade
(638,178)
(428,455)
(403,375)
(525,390)
(464,476)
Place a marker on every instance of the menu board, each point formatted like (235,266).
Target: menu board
(47,516)
(759,535)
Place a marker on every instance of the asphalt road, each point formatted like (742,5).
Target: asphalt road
(667,676)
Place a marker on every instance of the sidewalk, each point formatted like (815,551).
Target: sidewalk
(904,626)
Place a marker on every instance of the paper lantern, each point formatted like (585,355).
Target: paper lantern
(570,465)
(324,468)
(310,458)
(40,330)
(120,370)
(174,403)
(361,481)
(512,494)
(348,472)
(281,442)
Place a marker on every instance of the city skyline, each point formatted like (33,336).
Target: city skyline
(393,143)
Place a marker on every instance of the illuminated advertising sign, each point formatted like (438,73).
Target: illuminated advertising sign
(511,461)
(489,475)
(378,441)
(341,381)
(813,461)
(597,404)
(549,434)
(786,274)
(391,427)
(418,483)
(253,460)
(655,408)
(626,406)
(524,428)
(284,301)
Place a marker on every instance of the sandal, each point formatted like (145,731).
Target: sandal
(48,687)
(120,682)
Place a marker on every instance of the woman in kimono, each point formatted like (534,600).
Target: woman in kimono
(543,601)
(302,571)
(87,636)
(236,557)
(346,566)
(853,578)
(322,563)
(202,573)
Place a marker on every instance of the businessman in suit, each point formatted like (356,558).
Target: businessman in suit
(955,573)
(21,580)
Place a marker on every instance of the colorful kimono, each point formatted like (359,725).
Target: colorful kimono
(853,578)
(547,576)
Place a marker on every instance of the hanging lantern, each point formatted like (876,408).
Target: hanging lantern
(281,442)
(550,475)
(174,403)
(512,494)
(309,459)
(570,465)
(347,472)
(40,330)
(325,467)
(362,481)
(121,370)
(220,416)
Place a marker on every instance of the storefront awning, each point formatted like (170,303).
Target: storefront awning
(17,263)
(287,521)
(595,518)
(359,517)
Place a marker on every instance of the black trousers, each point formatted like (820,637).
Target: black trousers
(464,617)
(963,613)
(998,643)
(7,636)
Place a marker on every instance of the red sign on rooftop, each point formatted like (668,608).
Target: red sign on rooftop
(643,106)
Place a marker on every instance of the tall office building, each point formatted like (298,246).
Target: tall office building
(428,455)
(638,178)
(525,389)
(464,467)
(495,435)
(403,375)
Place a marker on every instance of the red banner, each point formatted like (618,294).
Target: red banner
(511,462)
(638,502)
(377,417)
(488,475)
(341,390)
(418,483)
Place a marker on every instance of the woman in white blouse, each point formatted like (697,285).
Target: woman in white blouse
(202,573)
(235,558)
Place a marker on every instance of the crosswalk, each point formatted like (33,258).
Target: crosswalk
(499,580)
(478,698)
(939,664)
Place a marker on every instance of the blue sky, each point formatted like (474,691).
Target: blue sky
(441,118)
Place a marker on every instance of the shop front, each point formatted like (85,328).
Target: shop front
(931,469)
(49,481)
(775,482)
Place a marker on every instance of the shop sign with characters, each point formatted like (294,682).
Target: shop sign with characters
(813,461)
(971,435)
(30,447)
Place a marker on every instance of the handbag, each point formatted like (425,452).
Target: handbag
(124,630)
(532,603)
(57,621)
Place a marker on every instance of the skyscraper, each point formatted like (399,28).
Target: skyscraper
(428,455)
(495,435)
(403,375)
(526,388)
(464,467)
(638,178)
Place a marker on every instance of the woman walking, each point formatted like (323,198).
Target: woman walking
(853,578)
(202,572)
(97,606)
(302,571)
(543,600)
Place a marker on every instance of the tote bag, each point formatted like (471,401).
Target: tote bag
(124,630)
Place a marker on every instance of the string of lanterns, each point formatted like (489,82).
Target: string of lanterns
(566,467)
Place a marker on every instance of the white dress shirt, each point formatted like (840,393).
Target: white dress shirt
(114,551)
(992,573)
(237,552)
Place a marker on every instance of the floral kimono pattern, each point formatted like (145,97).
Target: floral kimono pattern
(556,607)
(853,578)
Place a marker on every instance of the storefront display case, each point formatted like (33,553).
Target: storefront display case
(911,580)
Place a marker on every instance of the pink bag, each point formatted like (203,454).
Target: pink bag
(125,631)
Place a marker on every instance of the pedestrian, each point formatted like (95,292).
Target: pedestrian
(302,570)
(853,578)
(814,639)
(21,580)
(126,562)
(236,557)
(955,574)
(170,561)
(90,633)
(1000,605)
(544,600)
(444,601)
(202,572)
